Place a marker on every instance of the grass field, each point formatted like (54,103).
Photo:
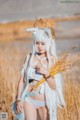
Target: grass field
(11,60)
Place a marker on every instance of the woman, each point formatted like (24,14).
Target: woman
(49,95)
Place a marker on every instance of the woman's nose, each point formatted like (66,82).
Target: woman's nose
(39,45)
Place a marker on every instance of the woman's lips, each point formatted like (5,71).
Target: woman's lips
(39,50)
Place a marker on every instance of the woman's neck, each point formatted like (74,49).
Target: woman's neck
(41,55)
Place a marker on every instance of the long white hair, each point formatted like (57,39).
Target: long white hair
(43,34)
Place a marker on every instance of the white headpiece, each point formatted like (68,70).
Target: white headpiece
(46,35)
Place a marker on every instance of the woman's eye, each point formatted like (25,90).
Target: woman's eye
(43,43)
(37,43)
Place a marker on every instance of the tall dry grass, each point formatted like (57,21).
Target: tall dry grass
(11,60)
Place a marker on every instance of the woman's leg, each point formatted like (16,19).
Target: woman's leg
(43,113)
(29,111)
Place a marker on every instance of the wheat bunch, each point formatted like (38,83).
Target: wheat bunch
(61,65)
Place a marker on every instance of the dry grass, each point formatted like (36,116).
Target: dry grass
(16,30)
(11,60)
(10,64)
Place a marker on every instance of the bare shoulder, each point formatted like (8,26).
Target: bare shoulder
(34,57)
(27,56)
(29,53)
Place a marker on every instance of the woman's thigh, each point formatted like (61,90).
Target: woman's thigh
(29,111)
(43,113)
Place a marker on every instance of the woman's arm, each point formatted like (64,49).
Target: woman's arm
(22,79)
(50,80)
(19,92)
(20,87)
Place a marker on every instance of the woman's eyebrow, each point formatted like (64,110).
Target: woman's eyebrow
(37,41)
(42,42)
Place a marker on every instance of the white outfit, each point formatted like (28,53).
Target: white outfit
(54,98)
(33,74)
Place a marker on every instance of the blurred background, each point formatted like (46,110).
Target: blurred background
(15,43)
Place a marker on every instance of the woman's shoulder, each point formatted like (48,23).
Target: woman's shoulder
(27,57)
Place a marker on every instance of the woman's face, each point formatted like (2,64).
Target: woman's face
(40,46)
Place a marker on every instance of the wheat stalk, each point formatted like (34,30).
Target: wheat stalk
(61,65)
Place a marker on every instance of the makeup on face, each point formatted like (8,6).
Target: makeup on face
(40,46)
(39,42)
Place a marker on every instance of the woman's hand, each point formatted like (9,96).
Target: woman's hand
(19,106)
(46,75)
(41,69)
